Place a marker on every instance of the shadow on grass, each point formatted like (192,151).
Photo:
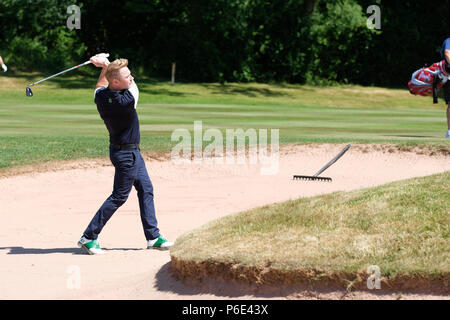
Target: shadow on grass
(87,80)
(243,89)
(165,92)
(406,136)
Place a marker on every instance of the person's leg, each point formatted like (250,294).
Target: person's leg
(447,101)
(125,164)
(448,116)
(144,189)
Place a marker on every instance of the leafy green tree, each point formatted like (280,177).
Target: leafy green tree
(34,35)
(340,41)
(313,41)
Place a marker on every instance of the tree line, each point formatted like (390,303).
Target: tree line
(297,41)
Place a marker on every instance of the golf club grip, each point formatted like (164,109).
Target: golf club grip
(336,158)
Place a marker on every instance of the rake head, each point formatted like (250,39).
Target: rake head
(312,178)
(316,175)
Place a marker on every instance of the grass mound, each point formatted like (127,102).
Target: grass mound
(402,228)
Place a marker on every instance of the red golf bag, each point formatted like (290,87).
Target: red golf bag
(428,80)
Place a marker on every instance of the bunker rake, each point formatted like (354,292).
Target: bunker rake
(316,176)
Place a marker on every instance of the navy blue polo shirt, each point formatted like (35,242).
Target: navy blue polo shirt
(118,111)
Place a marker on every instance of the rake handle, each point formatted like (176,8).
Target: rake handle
(336,158)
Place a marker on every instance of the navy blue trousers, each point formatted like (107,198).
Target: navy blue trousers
(130,171)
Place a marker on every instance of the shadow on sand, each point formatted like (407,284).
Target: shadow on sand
(22,250)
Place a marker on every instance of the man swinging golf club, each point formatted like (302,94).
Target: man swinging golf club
(116,96)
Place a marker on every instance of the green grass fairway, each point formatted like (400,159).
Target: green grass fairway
(403,228)
(61,120)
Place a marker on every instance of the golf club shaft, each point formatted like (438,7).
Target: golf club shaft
(105,55)
(57,74)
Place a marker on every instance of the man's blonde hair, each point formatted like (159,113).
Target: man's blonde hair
(113,69)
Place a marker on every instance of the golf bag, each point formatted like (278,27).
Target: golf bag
(428,80)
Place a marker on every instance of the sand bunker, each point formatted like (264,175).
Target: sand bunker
(44,211)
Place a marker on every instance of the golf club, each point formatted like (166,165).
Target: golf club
(28,89)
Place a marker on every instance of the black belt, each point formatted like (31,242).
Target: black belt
(124,146)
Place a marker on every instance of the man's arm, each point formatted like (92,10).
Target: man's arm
(103,63)
(134,92)
(102,81)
